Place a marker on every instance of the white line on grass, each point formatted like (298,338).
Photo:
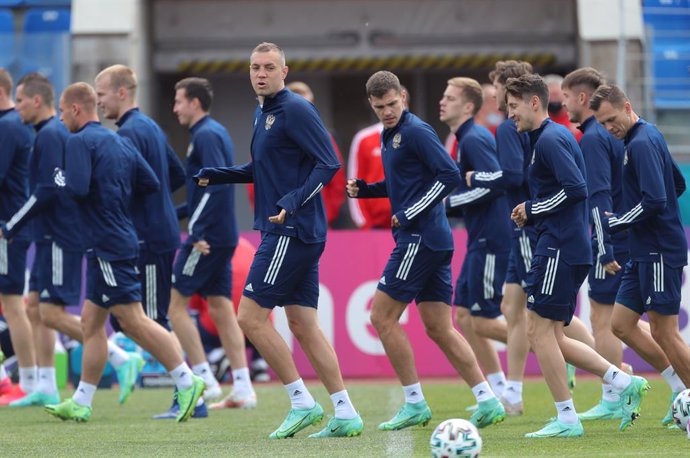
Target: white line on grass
(399,442)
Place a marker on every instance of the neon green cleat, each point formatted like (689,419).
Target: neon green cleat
(605,410)
(127,375)
(297,420)
(488,413)
(69,410)
(631,398)
(558,429)
(2,357)
(571,376)
(36,399)
(338,427)
(668,419)
(409,414)
(188,398)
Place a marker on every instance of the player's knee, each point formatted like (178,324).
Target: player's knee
(619,329)
(463,319)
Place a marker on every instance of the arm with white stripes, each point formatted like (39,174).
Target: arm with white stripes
(433,155)
(227,175)
(510,158)
(306,129)
(648,165)
(567,174)
(598,165)
(480,156)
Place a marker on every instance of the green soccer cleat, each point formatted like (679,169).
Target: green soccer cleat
(127,375)
(558,429)
(631,398)
(571,376)
(69,410)
(187,399)
(36,399)
(409,414)
(297,420)
(2,357)
(338,427)
(488,413)
(668,419)
(605,410)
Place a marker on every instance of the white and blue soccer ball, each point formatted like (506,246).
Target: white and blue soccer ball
(681,409)
(455,438)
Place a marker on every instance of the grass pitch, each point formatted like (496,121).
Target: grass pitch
(128,430)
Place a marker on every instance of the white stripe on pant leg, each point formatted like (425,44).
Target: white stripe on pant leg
(107,272)
(191,262)
(525,251)
(277,260)
(661,268)
(489,268)
(547,273)
(3,257)
(56,264)
(407,269)
(151,296)
(401,267)
(555,272)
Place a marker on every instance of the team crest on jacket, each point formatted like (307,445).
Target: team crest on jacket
(270,119)
(396,140)
(190,149)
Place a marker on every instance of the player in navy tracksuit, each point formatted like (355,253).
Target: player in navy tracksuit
(57,269)
(203,264)
(562,257)
(292,160)
(104,171)
(478,292)
(657,245)
(15,148)
(418,175)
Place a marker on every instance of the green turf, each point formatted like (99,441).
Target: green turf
(127,430)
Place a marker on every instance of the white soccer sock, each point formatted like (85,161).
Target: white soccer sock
(413,393)
(27,379)
(241,382)
(182,375)
(300,397)
(116,355)
(3,372)
(497,382)
(46,380)
(482,392)
(566,412)
(84,394)
(204,371)
(673,380)
(343,406)
(608,393)
(513,391)
(617,378)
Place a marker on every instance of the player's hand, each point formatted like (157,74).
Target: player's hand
(352,188)
(519,215)
(203,246)
(468,178)
(395,222)
(612,267)
(279,218)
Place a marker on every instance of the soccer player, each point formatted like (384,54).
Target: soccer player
(103,171)
(562,258)
(657,245)
(15,149)
(478,291)
(203,264)
(56,272)
(418,175)
(292,160)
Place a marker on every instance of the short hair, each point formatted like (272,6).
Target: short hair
(509,69)
(197,88)
(267,46)
(120,76)
(587,77)
(608,93)
(527,86)
(301,88)
(34,84)
(381,82)
(82,94)
(471,91)
(5,81)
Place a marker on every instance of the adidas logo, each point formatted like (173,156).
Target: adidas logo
(383,280)
(476,307)
(649,300)
(480,392)
(566,409)
(105,298)
(341,402)
(45,294)
(296,393)
(414,393)
(530,299)
(249,288)
(613,376)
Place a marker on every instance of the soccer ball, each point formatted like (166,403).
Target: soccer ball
(455,437)
(681,409)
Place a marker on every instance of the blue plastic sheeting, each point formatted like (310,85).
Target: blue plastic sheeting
(7,41)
